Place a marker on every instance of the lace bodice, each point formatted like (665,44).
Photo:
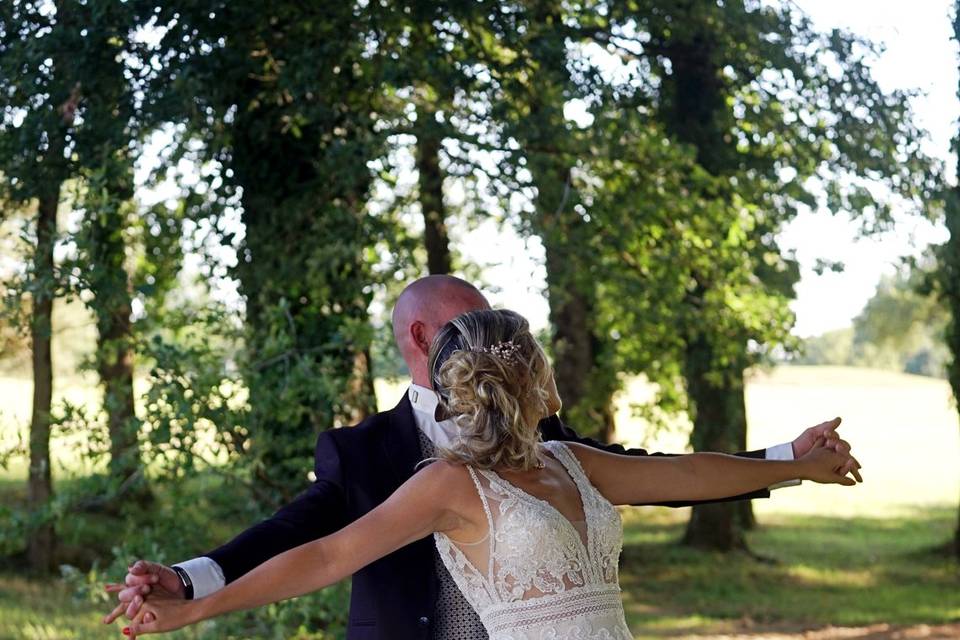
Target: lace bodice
(537,575)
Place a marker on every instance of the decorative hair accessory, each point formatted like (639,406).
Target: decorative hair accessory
(508,351)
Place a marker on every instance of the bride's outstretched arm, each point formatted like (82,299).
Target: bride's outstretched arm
(701,476)
(419,507)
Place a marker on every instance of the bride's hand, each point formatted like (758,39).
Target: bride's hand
(824,465)
(166,614)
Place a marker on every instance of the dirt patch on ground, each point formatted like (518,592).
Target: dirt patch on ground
(872,632)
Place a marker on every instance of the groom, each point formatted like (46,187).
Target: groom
(407,594)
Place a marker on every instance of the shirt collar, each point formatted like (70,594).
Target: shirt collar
(423,400)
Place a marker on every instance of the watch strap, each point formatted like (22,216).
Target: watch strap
(185,581)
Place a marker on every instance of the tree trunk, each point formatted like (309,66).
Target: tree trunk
(587,401)
(695,113)
(719,421)
(112,304)
(361,388)
(40,545)
(304,298)
(745,514)
(950,273)
(431,193)
(748,520)
(956,539)
(586,386)
(116,376)
(950,278)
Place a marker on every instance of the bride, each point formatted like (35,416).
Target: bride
(528,529)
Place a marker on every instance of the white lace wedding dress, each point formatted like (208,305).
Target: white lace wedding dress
(537,575)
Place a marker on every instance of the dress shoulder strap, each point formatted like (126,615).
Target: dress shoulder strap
(562,452)
(483,496)
(489,514)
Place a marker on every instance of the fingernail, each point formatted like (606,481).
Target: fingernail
(154,578)
(126,631)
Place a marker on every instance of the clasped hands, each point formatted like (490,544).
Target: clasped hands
(827,433)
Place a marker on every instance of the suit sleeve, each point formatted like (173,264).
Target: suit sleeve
(318,511)
(553,428)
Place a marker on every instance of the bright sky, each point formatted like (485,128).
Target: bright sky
(919,55)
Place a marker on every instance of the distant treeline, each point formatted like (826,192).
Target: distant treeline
(901,328)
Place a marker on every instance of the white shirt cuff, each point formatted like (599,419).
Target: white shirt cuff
(782,452)
(205,574)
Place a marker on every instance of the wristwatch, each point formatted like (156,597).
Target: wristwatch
(185,581)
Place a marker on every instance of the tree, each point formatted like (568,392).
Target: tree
(430,179)
(902,326)
(832,347)
(432,94)
(279,98)
(533,82)
(749,91)
(950,274)
(40,96)
(105,147)
(88,46)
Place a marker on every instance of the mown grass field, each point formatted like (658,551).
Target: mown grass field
(838,556)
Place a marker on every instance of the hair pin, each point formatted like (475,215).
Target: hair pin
(507,350)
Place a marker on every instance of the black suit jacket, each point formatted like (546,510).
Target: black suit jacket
(356,469)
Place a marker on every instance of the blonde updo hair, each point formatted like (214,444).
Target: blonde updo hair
(493,380)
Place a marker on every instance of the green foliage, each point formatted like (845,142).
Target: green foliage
(317,616)
(832,347)
(194,407)
(14,346)
(713,125)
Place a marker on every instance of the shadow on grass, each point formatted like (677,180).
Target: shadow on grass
(829,571)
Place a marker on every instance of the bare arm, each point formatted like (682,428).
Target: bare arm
(418,508)
(700,476)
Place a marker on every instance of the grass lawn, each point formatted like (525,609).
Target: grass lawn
(839,556)
(822,571)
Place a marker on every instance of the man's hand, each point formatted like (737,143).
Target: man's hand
(828,431)
(143,579)
(824,465)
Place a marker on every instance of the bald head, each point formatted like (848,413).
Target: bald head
(422,308)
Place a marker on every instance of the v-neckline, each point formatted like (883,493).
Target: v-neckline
(584,544)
